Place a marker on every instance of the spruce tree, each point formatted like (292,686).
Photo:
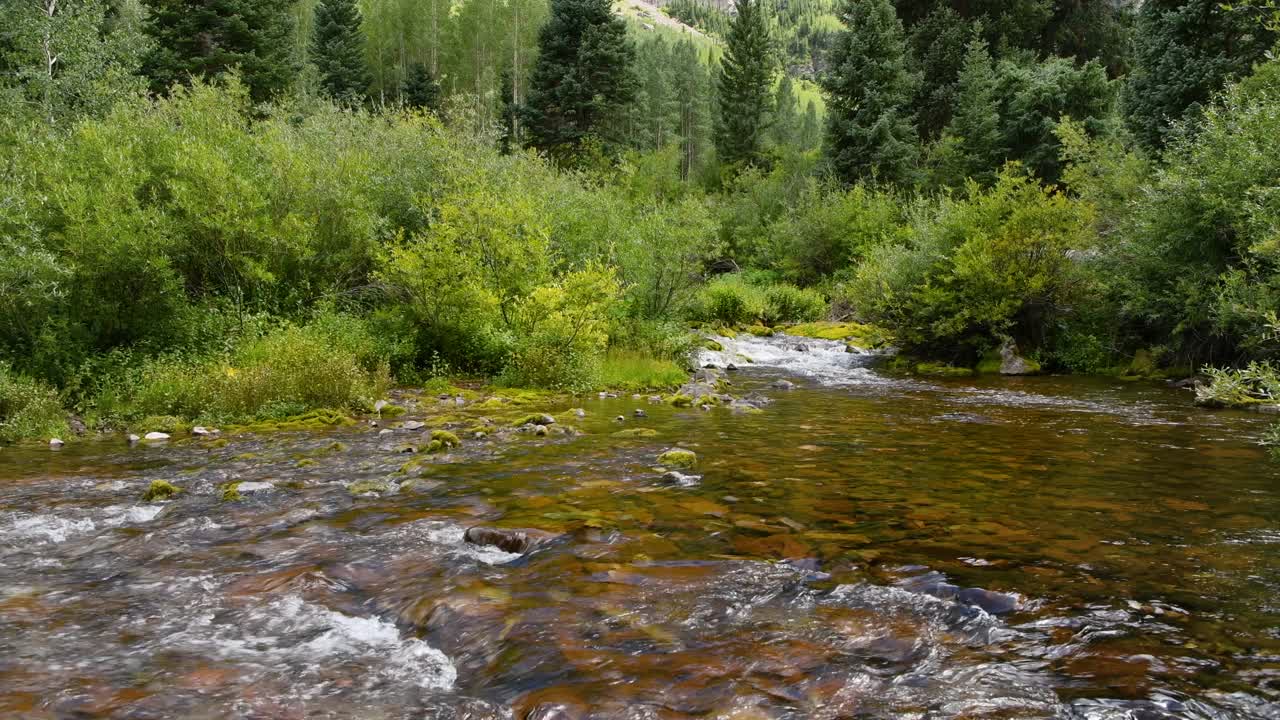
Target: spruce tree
(337,51)
(421,91)
(582,80)
(744,85)
(195,37)
(869,127)
(975,126)
(1184,52)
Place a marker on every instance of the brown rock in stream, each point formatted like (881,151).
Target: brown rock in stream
(512,540)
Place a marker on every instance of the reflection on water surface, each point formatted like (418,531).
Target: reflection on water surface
(866,547)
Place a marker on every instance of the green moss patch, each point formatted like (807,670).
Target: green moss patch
(160,490)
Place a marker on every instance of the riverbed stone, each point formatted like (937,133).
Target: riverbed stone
(55,444)
(782,385)
(156,436)
(512,540)
(676,478)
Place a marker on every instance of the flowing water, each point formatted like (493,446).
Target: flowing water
(866,547)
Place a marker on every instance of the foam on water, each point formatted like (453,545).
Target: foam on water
(307,641)
(826,361)
(53,528)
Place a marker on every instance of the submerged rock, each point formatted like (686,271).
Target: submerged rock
(640,413)
(782,385)
(364,487)
(512,540)
(678,458)
(675,478)
(636,433)
(133,438)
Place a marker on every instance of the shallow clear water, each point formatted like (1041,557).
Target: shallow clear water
(865,547)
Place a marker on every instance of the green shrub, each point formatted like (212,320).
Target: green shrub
(28,408)
(323,365)
(1253,385)
(633,371)
(730,300)
(790,304)
(561,331)
(988,265)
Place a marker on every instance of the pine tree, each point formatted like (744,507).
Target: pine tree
(744,85)
(869,128)
(337,50)
(1185,51)
(196,37)
(975,126)
(582,80)
(421,91)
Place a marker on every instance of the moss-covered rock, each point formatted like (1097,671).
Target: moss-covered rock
(636,433)
(681,401)
(231,492)
(855,334)
(391,411)
(446,438)
(712,345)
(940,370)
(160,490)
(313,420)
(760,331)
(678,458)
(364,487)
(535,419)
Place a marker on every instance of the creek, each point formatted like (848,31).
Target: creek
(865,547)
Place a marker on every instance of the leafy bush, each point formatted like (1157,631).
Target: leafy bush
(788,303)
(1197,257)
(1258,383)
(28,408)
(729,300)
(976,269)
(561,331)
(327,364)
(828,230)
(634,371)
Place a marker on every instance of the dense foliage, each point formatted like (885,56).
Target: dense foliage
(316,199)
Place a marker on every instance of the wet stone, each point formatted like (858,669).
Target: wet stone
(512,540)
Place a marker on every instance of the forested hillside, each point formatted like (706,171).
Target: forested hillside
(201,199)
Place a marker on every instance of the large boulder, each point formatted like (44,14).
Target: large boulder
(1007,361)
